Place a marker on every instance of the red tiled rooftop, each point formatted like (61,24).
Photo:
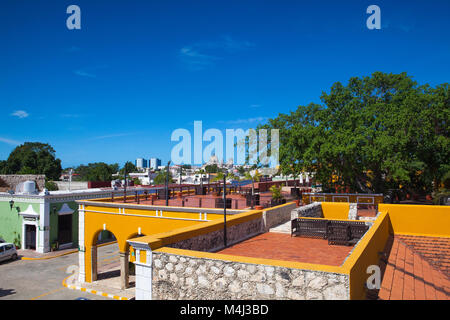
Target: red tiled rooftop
(207,201)
(280,246)
(416,269)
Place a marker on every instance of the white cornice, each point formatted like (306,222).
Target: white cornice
(29,212)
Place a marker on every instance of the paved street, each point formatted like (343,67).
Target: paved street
(42,279)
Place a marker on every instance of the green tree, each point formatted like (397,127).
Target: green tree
(212,168)
(161,177)
(254,176)
(33,158)
(51,186)
(375,133)
(98,171)
(129,167)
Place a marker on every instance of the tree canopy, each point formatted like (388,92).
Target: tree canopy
(33,158)
(98,171)
(376,133)
(129,167)
(161,177)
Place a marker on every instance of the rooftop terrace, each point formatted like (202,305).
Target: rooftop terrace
(280,246)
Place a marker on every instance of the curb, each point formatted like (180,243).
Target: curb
(47,258)
(96,292)
(65,253)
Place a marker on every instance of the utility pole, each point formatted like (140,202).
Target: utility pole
(167,184)
(70,179)
(125,184)
(225,209)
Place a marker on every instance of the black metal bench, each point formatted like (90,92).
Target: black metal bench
(311,228)
(337,232)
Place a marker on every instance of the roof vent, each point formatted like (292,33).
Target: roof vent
(27,187)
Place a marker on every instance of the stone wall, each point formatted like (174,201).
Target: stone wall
(277,216)
(74,185)
(313,210)
(353,211)
(183,277)
(214,241)
(10,181)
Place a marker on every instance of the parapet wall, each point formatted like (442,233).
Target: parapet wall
(10,181)
(185,277)
(214,240)
(277,215)
(313,210)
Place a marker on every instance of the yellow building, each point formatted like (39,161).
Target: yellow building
(126,221)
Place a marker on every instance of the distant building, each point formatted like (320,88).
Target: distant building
(141,163)
(155,163)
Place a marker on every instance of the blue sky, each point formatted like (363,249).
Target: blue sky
(137,70)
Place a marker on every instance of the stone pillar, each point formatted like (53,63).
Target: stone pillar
(94,268)
(124,272)
(353,211)
(81,247)
(144,271)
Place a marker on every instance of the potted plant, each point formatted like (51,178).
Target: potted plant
(54,245)
(276,195)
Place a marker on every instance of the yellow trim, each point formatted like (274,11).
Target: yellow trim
(250,260)
(447,236)
(46,294)
(364,254)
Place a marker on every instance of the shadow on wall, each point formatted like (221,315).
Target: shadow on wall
(6,292)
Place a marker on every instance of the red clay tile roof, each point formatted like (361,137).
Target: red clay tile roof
(410,273)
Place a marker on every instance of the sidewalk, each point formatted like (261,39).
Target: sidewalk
(106,287)
(26,254)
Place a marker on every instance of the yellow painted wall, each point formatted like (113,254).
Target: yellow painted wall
(335,210)
(425,220)
(171,236)
(366,254)
(125,226)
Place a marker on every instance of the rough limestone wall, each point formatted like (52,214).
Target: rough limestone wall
(183,277)
(353,211)
(277,216)
(74,185)
(213,241)
(313,210)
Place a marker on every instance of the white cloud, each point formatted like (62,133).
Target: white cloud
(200,55)
(246,121)
(196,60)
(10,141)
(84,74)
(113,135)
(21,114)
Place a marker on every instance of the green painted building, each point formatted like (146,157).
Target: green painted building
(40,221)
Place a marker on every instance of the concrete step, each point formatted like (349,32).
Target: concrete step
(282,228)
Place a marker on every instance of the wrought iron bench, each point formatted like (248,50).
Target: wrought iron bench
(311,228)
(337,232)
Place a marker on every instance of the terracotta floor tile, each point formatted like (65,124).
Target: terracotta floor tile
(280,246)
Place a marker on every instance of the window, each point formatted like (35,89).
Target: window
(8,247)
(2,249)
